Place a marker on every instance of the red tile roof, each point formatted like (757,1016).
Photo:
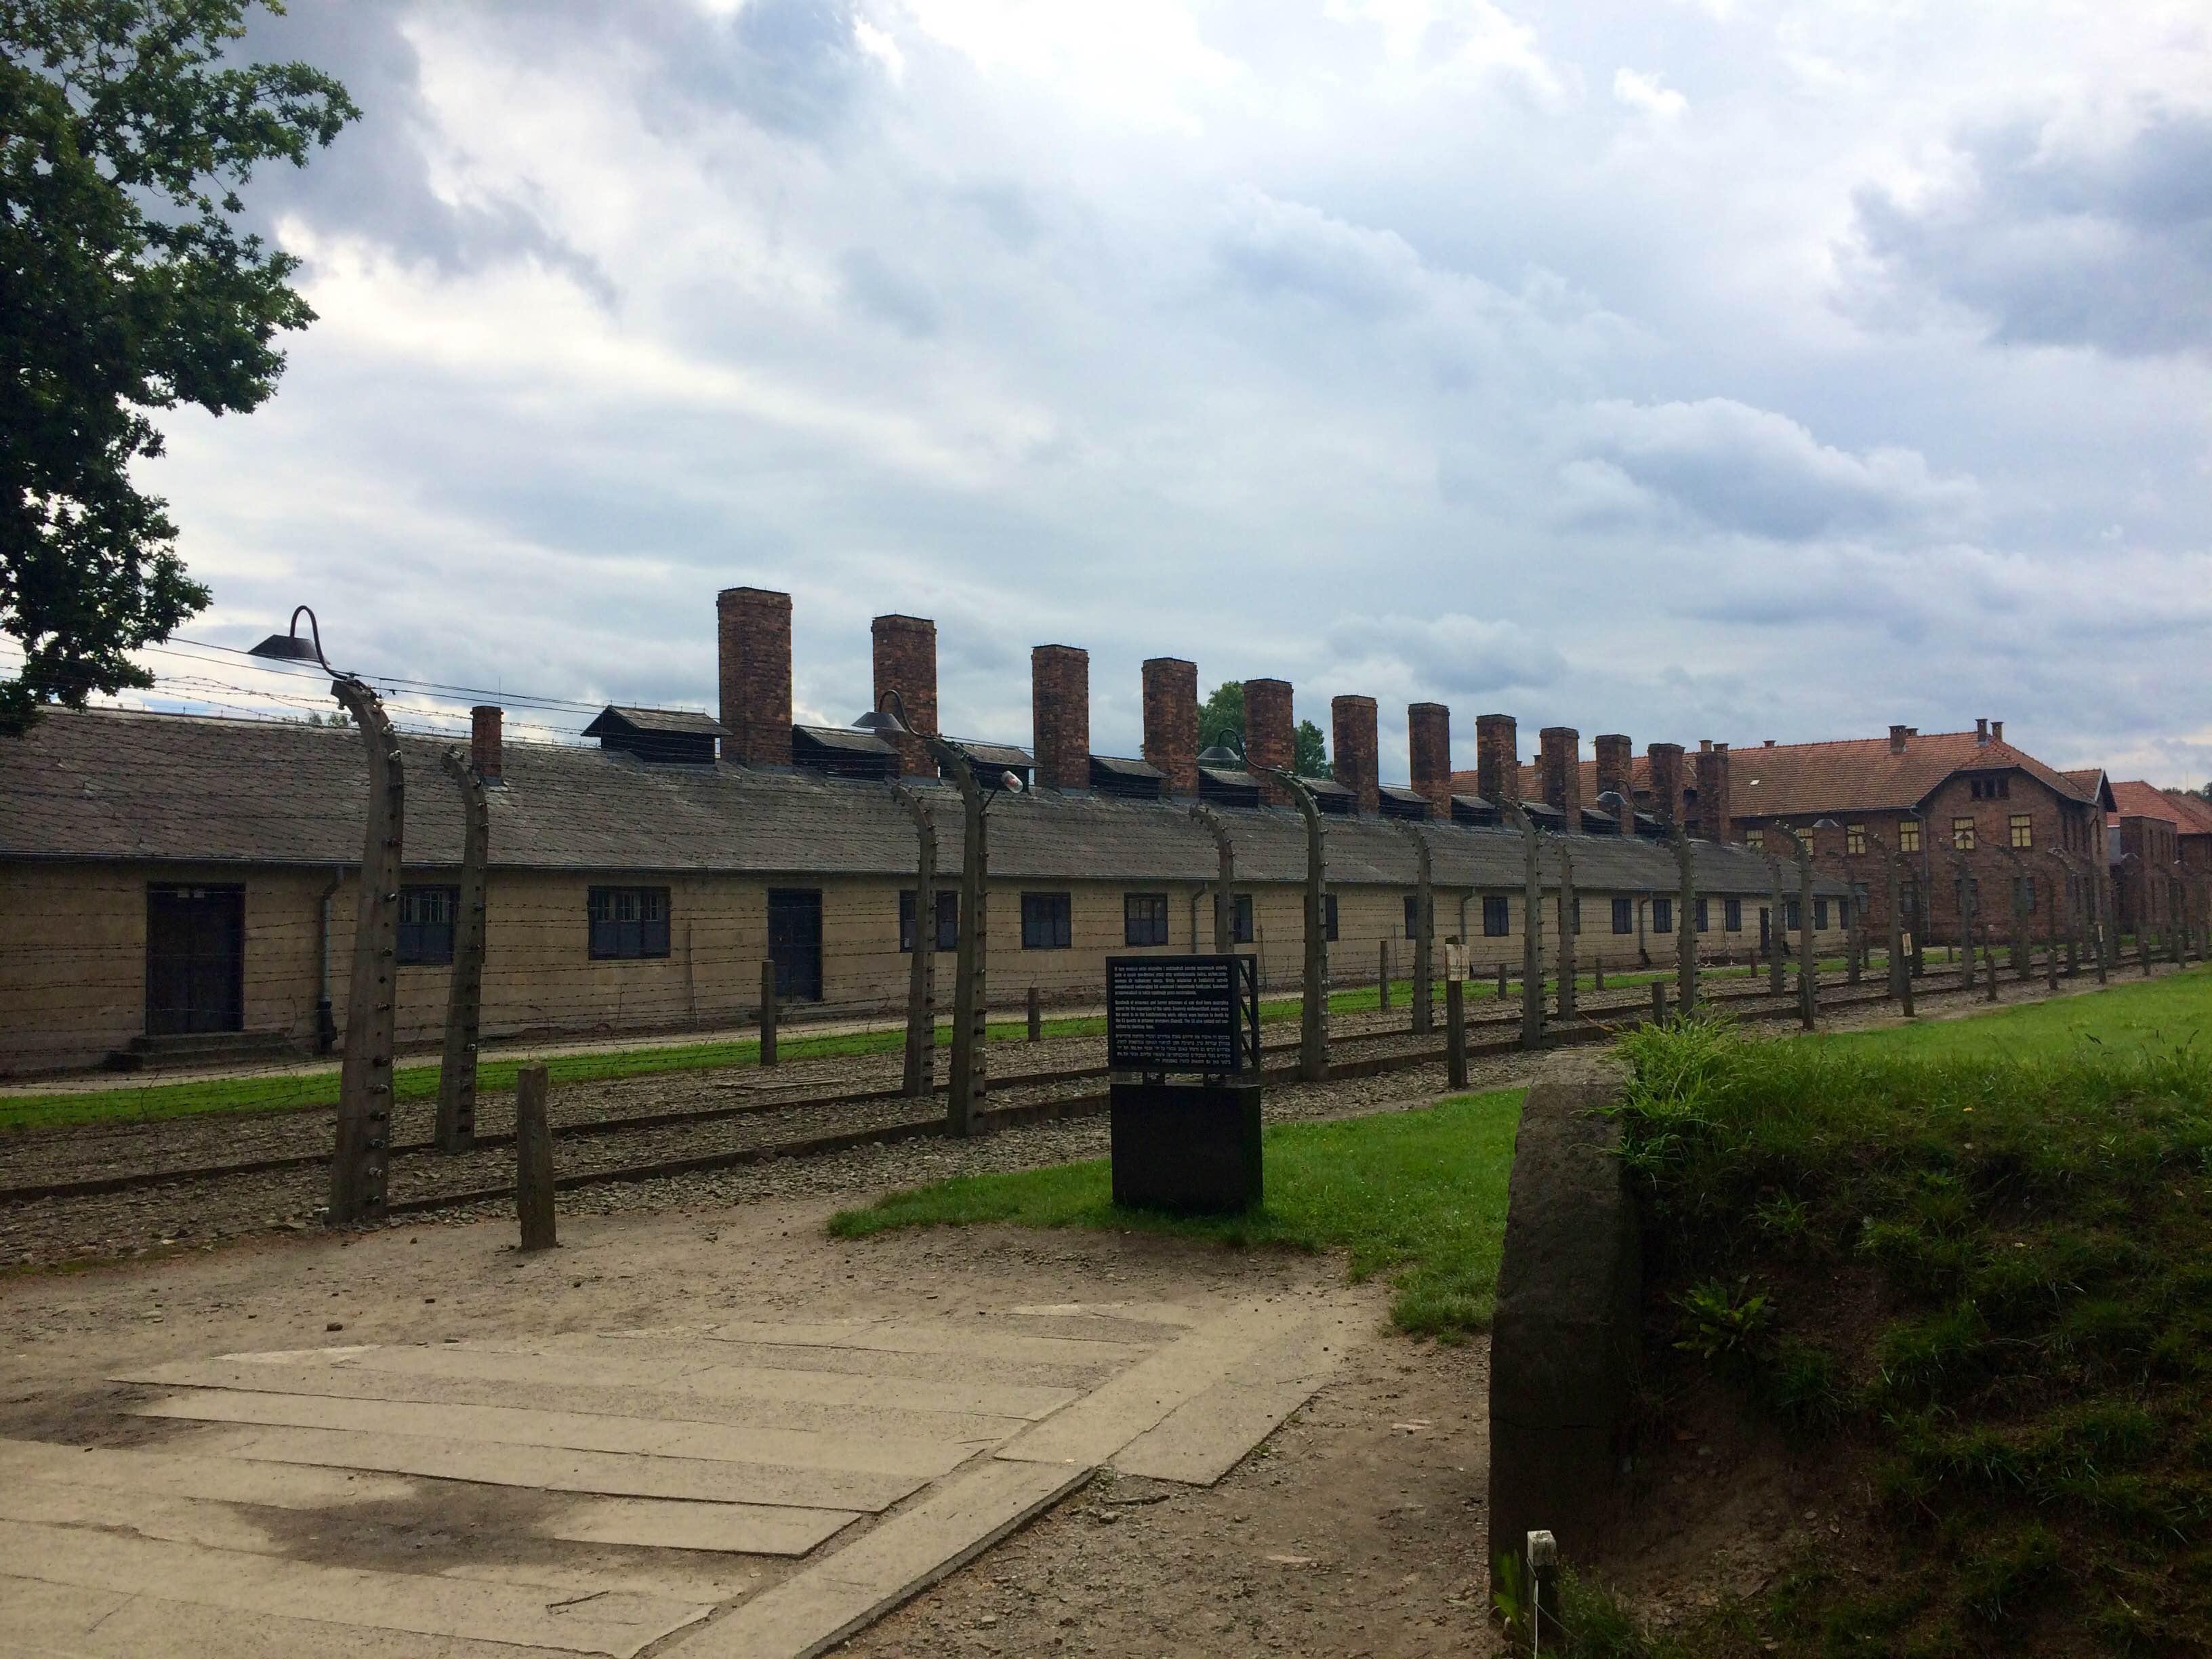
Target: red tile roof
(2194,812)
(2138,799)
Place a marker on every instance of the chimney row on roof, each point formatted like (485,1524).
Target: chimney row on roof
(1428,750)
(905,662)
(1897,736)
(1270,737)
(1560,760)
(1171,721)
(1059,715)
(1666,766)
(1352,734)
(1981,732)
(1496,758)
(753,648)
(1615,758)
(1716,810)
(487,744)
(1996,731)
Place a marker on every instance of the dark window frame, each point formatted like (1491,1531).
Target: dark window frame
(1240,919)
(1663,915)
(1705,915)
(1732,916)
(427,944)
(1624,917)
(642,936)
(1048,921)
(1144,918)
(1497,916)
(1329,917)
(948,920)
(1820,915)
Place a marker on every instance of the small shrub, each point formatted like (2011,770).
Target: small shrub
(1723,1326)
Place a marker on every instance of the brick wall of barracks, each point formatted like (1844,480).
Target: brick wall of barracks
(2146,892)
(70,1003)
(2049,822)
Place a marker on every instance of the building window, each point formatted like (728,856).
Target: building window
(2023,895)
(1820,915)
(2023,829)
(1044,921)
(1705,915)
(1412,915)
(1143,918)
(1574,914)
(1791,913)
(1855,838)
(1732,915)
(1962,834)
(1663,916)
(1240,919)
(629,922)
(1846,909)
(1908,902)
(1993,788)
(1624,915)
(1497,916)
(1908,836)
(426,925)
(948,920)
(1329,917)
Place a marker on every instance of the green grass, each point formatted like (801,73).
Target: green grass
(2026,1204)
(1420,1195)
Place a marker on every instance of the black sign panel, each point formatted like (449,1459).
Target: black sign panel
(1182,1014)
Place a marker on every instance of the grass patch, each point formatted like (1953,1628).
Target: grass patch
(2030,1195)
(1420,1195)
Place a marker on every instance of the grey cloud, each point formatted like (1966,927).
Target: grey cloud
(1450,655)
(889,294)
(2056,243)
(1280,247)
(1755,471)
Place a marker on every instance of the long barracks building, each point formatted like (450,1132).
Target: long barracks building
(169,875)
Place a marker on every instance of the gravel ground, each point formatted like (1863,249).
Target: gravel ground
(198,1212)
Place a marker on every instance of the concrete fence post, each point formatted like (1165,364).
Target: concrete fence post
(534,1160)
(1036,1017)
(1685,923)
(767,1014)
(1424,930)
(1455,1032)
(361,1164)
(1568,902)
(456,1129)
(921,1067)
(1659,1001)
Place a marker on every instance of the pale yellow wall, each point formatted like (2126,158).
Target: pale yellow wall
(72,959)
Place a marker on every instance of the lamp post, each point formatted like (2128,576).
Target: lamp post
(966,1086)
(1313,1001)
(361,1164)
(1900,969)
(1532,927)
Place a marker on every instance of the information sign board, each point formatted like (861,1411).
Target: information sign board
(1197,1014)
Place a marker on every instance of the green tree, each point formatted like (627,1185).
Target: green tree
(126,289)
(1221,721)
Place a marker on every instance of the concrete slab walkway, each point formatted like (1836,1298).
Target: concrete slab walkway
(715,1492)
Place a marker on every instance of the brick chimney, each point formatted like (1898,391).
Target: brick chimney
(487,746)
(1996,731)
(1981,732)
(905,662)
(1496,758)
(1560,760)
(753,637)
(1353,736)
(1270,738)
(1059,715)
(1666,766)
(1171,721)
(1428,747)
(1616,759)
(1716,808)
(1896,737)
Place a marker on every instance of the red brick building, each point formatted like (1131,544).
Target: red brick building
(2161,857)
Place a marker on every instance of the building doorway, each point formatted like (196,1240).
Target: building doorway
(195,959)
(794,942)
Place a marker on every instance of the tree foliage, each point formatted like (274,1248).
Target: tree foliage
(1221,721)
(126,289)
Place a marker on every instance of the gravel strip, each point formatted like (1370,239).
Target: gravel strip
(198,1212)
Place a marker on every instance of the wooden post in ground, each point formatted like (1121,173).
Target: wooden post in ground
(1036,1017)
(767,1014)
(1597,973)
(534,1160)
(1455,1032)
(1383,975)
(1425,932)
(361,1165)
(1988,961)
(1532,927)
(456,1128)
(921,1070)
(1659,1001)
(1501,981)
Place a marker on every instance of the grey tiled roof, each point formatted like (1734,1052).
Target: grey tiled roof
(178,788)
(675,722)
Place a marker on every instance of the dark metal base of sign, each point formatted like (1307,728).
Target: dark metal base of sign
(1189,1147)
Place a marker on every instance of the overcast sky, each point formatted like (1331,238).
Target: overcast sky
(1716,368)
